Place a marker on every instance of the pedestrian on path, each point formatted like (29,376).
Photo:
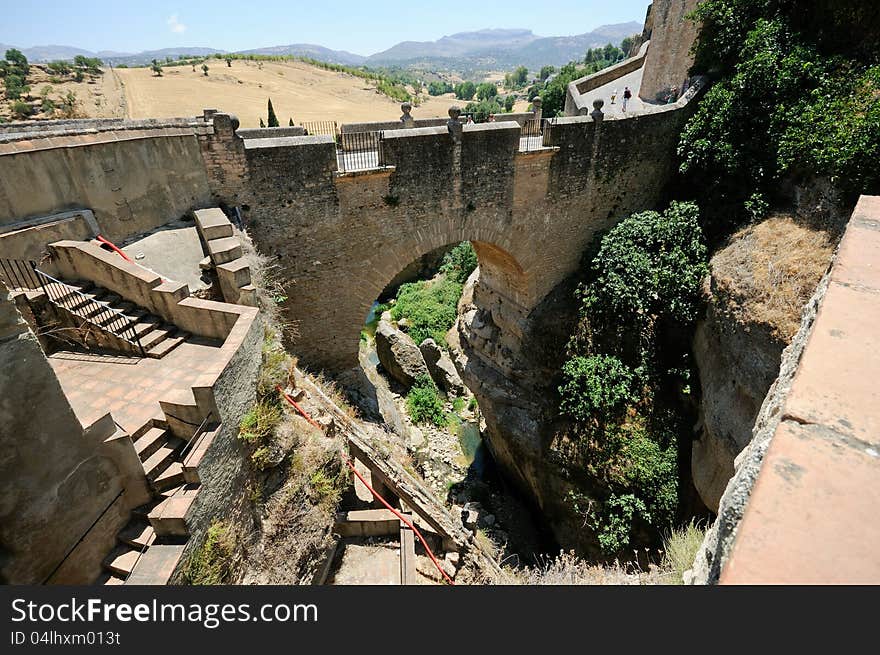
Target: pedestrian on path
(627,94)
(613,96)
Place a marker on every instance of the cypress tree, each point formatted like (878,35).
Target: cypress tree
(273,119)
(262,124)
(291,122)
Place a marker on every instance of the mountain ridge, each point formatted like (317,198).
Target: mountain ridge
(489,47)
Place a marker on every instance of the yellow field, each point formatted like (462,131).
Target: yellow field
(298,91)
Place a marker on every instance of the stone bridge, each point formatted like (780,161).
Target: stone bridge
(340,238)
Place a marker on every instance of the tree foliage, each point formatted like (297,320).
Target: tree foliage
(797,96)
(465,90)
(424,404)
(429,306)
(272,118)
(459,263)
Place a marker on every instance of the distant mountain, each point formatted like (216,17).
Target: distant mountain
(48,52)
(311,51)
(502,49)
(489,49)
(455,45)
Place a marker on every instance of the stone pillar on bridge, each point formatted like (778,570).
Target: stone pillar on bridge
(537,103)
(406,118)
(597,113)
(454,124)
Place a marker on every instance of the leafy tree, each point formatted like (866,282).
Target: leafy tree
(59,67)
(459,263)
(517,79)
(440,88)
(546,71)
(156,68)
(509,102)
(627,44)
(482,110)
(205,69)
(797,96)
(88,64)
(465,91)
(17,63)
(273,119)
(228,62)
(486,91)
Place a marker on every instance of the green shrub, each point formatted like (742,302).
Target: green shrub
(649,265)
(596,387)
(423,403)
(429,306)
(212,563)
(21,109)
(460,262)
(797,96)
(259,423)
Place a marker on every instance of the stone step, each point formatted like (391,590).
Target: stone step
(154,337)
(170,478)
(147,324)
(224,250)
(166,346)
(122,560)
(109,579)
(156,464)
(213,224)
(137,534)
(157,565)
(168,518)
(150,442)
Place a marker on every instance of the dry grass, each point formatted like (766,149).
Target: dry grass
(679,551)
(768,271)
(298,90)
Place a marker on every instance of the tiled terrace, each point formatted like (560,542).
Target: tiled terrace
(130,388)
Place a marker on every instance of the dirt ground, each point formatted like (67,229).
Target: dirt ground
(98,96)
(298,91)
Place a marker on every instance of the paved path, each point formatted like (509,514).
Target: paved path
(632,80)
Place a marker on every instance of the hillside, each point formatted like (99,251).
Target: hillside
(298,90)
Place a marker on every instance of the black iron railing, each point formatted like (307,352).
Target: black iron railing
(536,134)
(90,309)
(18,274)
(323,128)
(360,151)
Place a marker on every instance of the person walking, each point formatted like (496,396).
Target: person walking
(613,96)
(627,95)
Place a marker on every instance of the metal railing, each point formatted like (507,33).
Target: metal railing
(91,310)
(323,128)
(18,274)
(536,134)
(360,151)
(206,426)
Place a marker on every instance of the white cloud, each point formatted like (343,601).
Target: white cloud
(175,25)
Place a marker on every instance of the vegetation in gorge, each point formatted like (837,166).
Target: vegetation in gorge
(620,387)
(430,305)
(797,96)
(424,404)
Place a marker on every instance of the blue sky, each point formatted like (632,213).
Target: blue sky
(360,26)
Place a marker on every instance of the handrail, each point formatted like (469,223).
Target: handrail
(197,437)
(119,325)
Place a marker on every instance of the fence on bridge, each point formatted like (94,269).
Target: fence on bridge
(321,128)
(360,151)
(536,134)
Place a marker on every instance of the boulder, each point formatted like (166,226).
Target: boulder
(399,354)
(441,368)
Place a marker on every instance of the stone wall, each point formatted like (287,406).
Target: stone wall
(800,508)
(672,35)
(65,490)
(133,180)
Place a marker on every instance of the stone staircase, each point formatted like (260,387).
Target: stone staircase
(152,543)
(104,319)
